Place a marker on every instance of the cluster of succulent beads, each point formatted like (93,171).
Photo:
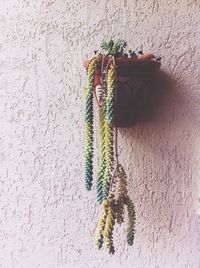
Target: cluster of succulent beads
(89,132)
(113,211)
(102,161)
(106,115)
(111,185)
(106,138)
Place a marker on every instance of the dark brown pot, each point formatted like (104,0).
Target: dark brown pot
(132,90)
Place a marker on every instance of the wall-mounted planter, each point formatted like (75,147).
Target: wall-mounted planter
(133,87)
(120,85)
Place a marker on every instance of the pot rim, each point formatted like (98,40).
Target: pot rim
(133,63)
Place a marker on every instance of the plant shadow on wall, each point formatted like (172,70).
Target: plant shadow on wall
(162,154)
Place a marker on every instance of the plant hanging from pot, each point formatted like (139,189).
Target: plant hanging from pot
(111,181)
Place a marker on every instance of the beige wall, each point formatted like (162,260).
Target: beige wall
(47,219)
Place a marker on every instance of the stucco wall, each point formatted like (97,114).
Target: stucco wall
(47,219)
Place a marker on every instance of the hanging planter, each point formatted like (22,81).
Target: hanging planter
(119,83)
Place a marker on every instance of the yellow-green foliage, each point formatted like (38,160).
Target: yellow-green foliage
(102,160)
(109,226)
(111,188)
(113,211)
(111,84)
(88,143)
(102,223)
(109,159)
(106,225)
(109,137)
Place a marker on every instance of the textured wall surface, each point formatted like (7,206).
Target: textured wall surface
(47,219)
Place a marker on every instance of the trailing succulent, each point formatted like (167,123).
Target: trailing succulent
(113,211)
(111,182)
